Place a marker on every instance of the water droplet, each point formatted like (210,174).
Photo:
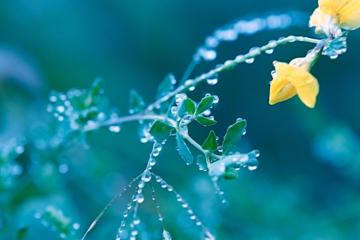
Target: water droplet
(146,177)
(188,82)
(152,162)
(227,34)
(269,51)
(19,149)
(291,38)
(53,98)
(136,221)
(212,81)
(192,88)
(140,198)
(255,51)
(207,112)
(239,58)
(252,168)
(76,226)
(179,98)
(272,44)
(134,232)
(212,42)
(60,109)
(114,128)
(250,60)
(207,54)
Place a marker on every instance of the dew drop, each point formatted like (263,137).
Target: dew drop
(146,176)
(181,96)
(189,82)
(212,81)
(250,60)
(53,98)
(134,232)
(207,112)
(136,221)
(269,51)
(114,129)
(207,54)
(140,198)
(76,226)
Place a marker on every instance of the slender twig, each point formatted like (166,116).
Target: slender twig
(230,64)
(111,202)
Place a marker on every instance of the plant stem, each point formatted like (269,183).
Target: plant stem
(230,64)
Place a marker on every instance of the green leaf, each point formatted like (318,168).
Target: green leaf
(136,103)
(184,150)
(21,233)
(210,142)
(233,134)
(166,86)
(230,174)
(160,131)
(188,107)
(205,104)
(97,87)
(205,121)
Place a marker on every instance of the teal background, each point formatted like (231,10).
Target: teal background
(307,184)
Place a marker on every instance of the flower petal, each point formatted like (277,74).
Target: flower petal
(347,12)
(349,15)
(306,85)
(281,88)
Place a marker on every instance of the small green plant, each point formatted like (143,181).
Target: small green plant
(172,112)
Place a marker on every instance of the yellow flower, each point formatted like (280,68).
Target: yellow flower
(294,79)
(336,13)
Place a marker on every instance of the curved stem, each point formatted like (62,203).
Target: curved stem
(130,118)
(230,64)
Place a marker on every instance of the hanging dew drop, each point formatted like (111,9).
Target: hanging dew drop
(192,88)
(250,60)
(140,198)
(269,51)
(136,221)
(252,168)
(114,129)
(146,176)
(152,162)
(212,81)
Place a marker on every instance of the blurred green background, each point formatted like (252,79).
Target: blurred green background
(307,184)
